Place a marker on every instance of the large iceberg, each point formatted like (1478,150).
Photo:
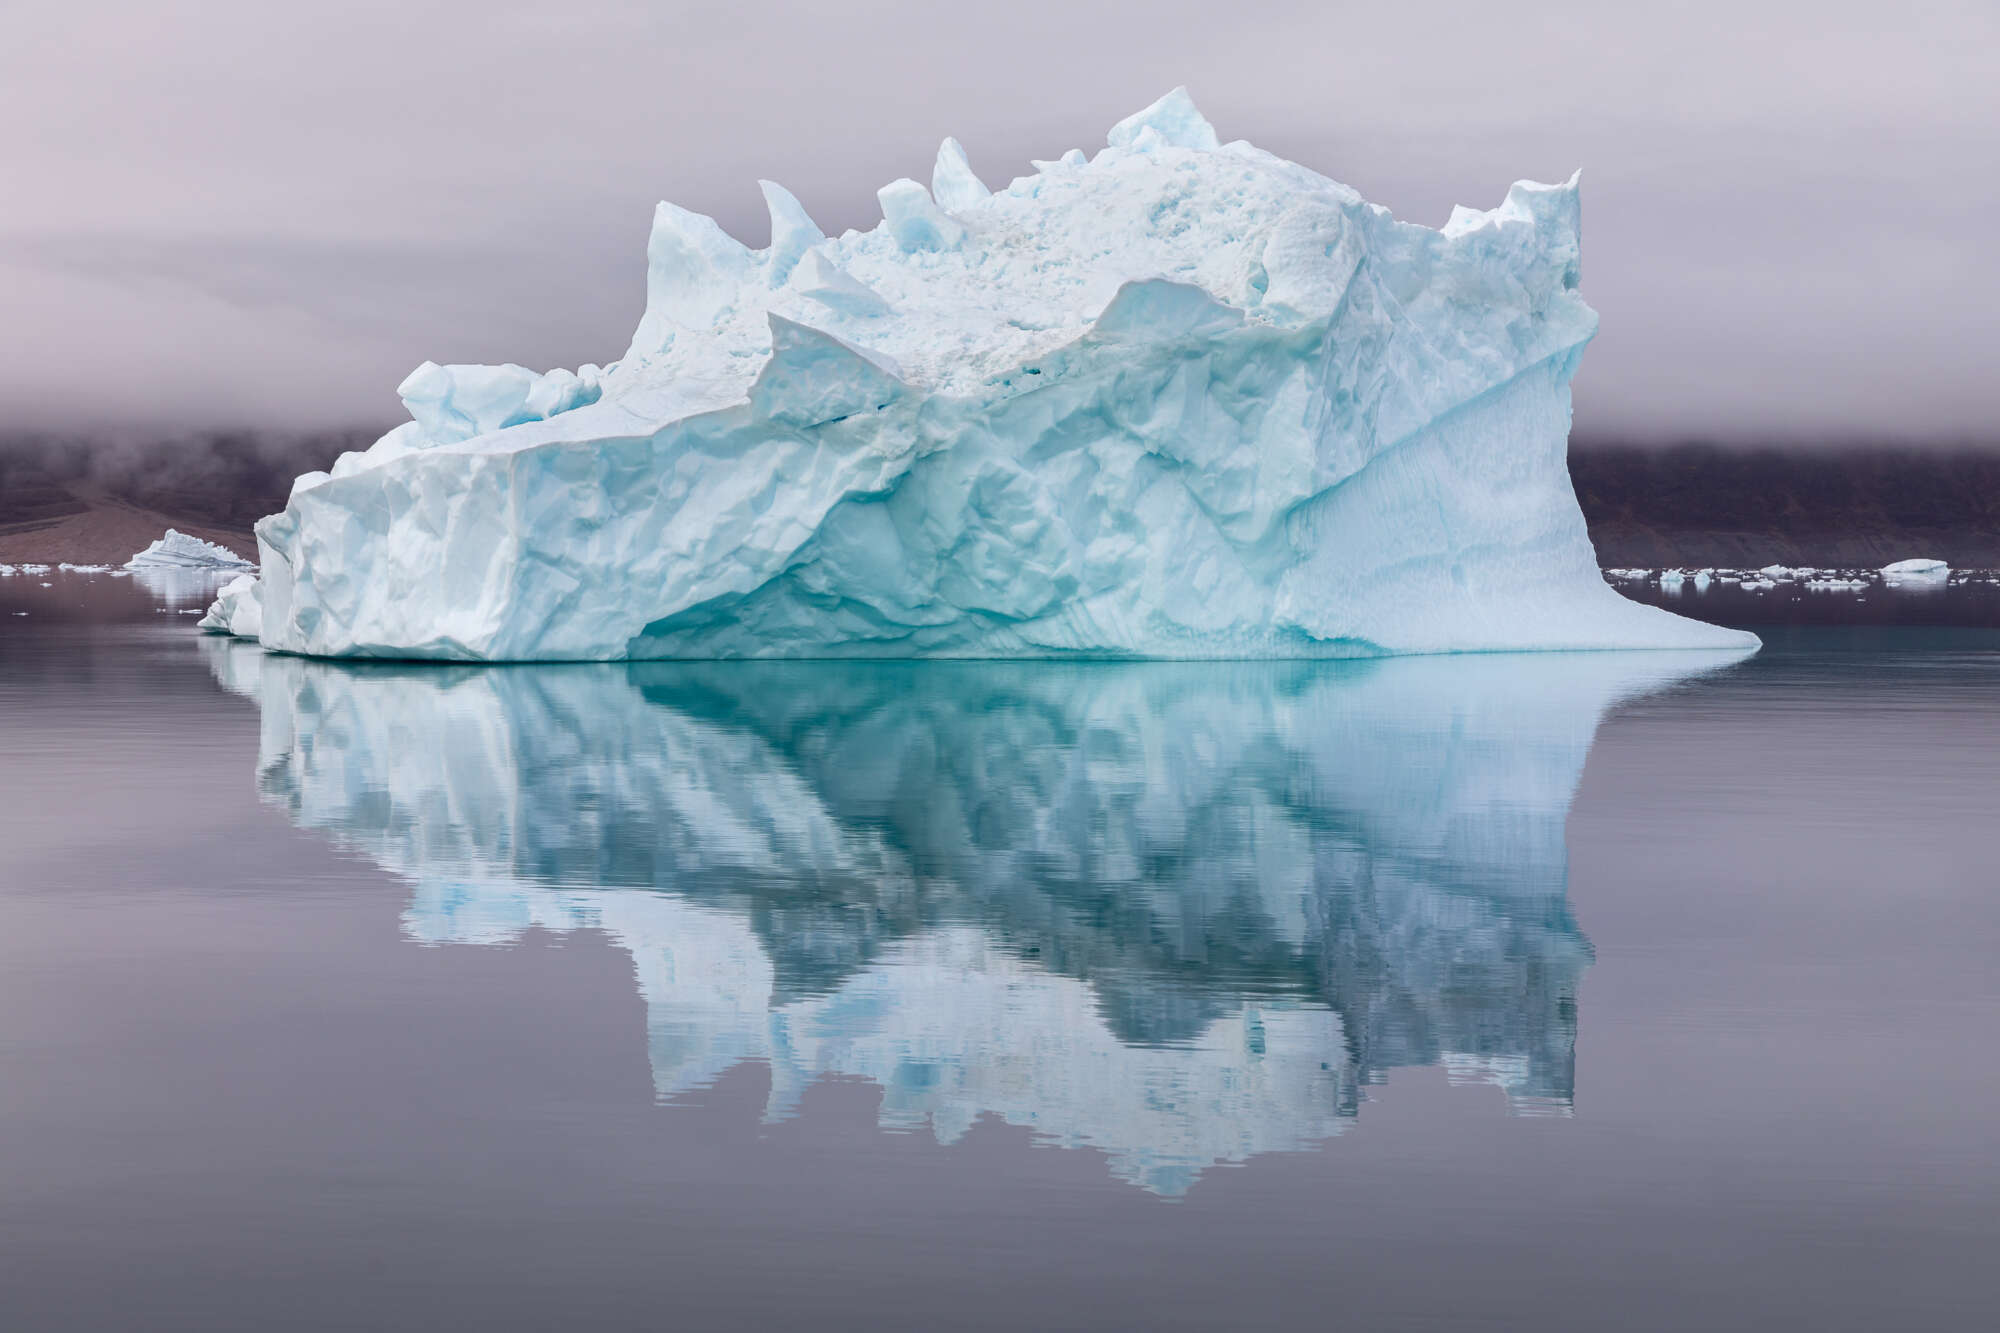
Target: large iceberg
(1180,399)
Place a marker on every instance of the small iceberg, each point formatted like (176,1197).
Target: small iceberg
(177,550)
(1920,573)
(237,611)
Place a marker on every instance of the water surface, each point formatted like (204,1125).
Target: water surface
(1594,990)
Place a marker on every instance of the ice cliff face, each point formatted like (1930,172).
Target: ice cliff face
(1180,399)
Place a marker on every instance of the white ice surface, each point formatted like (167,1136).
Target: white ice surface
(1180,399)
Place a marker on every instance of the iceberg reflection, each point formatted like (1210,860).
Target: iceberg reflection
(1180,912)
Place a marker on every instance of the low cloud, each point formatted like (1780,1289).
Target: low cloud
(250,214)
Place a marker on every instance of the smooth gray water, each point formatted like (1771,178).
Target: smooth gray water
(1585,991)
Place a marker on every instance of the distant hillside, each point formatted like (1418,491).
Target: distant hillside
(1705,505)
(89,501)
(1684,505)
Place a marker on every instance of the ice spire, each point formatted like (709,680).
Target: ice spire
(693,271)
(953,183)
(793,232)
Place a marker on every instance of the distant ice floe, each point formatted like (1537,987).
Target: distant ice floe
(1921,573)
(177,550)
(237,610)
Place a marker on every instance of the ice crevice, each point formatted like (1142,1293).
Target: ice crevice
(1181,398)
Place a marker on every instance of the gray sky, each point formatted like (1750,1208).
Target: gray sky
(233,211)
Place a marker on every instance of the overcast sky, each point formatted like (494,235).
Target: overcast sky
(238,211)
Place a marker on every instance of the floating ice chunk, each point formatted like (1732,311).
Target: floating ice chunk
(1702,578)
(238,610)
(1174,120)
(1672,578)
(694,272)
(916,222)
(953,183)
(1919,572)
(177,550)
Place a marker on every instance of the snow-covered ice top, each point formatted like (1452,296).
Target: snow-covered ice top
(1182,398)
(177,550)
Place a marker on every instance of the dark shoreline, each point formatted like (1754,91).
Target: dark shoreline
(1704,505)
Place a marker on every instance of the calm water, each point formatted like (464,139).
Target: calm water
(1591,991)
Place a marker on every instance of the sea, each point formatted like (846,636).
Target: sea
(1568,991)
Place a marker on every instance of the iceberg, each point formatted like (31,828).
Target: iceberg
(236,611)
(1918,573)
(1181,399)
(177,550)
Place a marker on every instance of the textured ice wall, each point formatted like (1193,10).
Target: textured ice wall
(1179,399)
